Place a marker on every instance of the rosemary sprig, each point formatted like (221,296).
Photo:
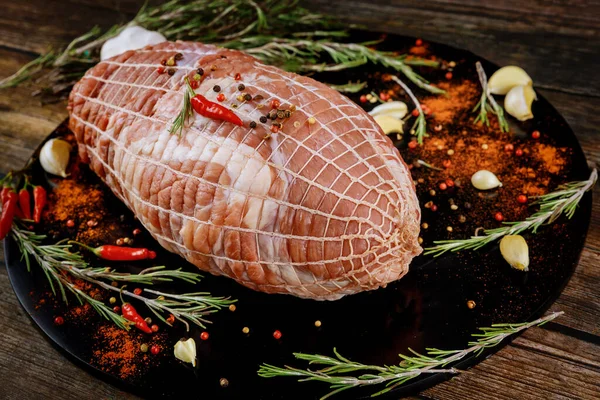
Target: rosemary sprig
(350,87)
(59,263)
(337,369)
(420,125)
(427,165)
(484,107)
(552,205)
(309,55)
(186,109)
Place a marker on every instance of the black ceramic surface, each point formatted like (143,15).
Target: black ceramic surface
(427,308)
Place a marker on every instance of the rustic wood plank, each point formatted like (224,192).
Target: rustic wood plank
(539,364)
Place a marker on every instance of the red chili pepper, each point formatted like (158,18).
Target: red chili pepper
(119,253)
(132,315)
(25,202)
(209,109)
(5,191)
(8,213)
(39,199)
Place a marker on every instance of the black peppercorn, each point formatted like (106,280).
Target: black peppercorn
(178,56)
(280,114)
(273,114)
(247,97)
(263,119)
(258,97)
(217,88)
(171,71)
(241,87)
(288,113)
(200,71)
(252,124)
(163,62)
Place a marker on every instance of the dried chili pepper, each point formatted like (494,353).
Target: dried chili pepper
(210,109)
(119,253)
(39,200)
(8,213)
(132,315)
(25,202)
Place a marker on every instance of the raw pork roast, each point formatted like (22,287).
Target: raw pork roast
(323,208)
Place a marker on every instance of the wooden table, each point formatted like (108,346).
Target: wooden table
(556,43)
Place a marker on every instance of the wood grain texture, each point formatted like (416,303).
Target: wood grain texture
(556,42)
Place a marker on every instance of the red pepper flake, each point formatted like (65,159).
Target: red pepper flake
(277,335)
(275,103)
(221,97)
(448,75)
(434,208)
(415,112)
(509,148)
(447,163)
(522,199)
(171,319)
(238,77)
(363,99)
(412,144)
(117,309)
(384,96)
(499,217)
(160,70)
(449,183)
(194,84)
(518,152)
(419,42)
(137,231)
(59,321)
(204,335)
(70,223)
(137,291)
(536,134)
(155,349)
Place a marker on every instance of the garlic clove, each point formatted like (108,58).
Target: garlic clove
(389,124)
(131,38)
(508,77)
(185,350)
(515,251)
(485,180)
(396,109)
(518,102)
(54,157)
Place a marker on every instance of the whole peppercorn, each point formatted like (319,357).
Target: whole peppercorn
(509,147)
(155,349)
(443,186)
(252,124)
(246,330)
(171,71)
(412,144)
(232,307)
(144,348)
(178,56)
(70,223)
(318,323)
(275,103)
(263,119)
(137,291)
(59,321)
(154,328)
(448,75)
(274,128)
(471,304)
(223,382)
(363,99)
(258,97)
(499,217)
(535,134)
(449,183)
(277,335)
(415,113)
(247,97)
(112,300)
(137,231)
(518,152)
(522,199)
(220,97)
(204,335)
(419,42)
(446,163)
(217,88)
(434,208)
(241,87)
(280,114)
(200,71)
(117,309)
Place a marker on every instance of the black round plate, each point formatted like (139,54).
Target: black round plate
(427,308)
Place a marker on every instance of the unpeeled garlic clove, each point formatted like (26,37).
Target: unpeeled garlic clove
(515,251)
(396,109)
(185,350)
(485,180)
(518,102)
(54,157)
(503,80)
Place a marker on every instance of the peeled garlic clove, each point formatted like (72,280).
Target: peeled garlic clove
(185,350)
(518,102)
(389,124)
(485,180)
(131,38)
(396,109)
(515,251)
(507,78)
(54,157)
